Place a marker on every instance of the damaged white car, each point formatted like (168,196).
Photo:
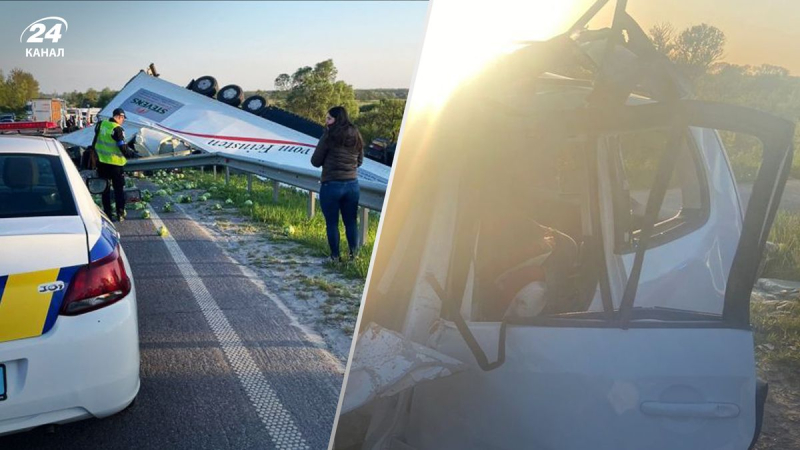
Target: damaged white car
(576,264)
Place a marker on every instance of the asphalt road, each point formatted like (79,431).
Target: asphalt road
(222,366)
(790,200)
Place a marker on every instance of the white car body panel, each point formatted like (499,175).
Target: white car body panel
(581,388)
(40,243)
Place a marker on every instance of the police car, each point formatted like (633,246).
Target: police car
(69,344)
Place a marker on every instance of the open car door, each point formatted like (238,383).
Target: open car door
(607,372)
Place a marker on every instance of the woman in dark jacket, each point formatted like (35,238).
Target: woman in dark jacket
(340,152)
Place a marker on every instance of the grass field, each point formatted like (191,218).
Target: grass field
(785,264)
(776,324)
(776,327)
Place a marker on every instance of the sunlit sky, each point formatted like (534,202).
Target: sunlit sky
(465,34)
(374,44)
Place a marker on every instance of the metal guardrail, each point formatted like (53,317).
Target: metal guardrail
(371,194)
(371,197)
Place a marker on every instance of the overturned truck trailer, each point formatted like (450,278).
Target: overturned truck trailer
(572,270)
(167,122)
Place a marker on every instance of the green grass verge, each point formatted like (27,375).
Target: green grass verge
(776,324)
(776,329)
(286,219)
(785,232)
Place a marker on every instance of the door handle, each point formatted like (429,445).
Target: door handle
(692,410)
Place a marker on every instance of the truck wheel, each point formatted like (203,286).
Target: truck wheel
(254,104)
(206,85)
(231,95)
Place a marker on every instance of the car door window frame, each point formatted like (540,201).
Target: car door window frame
(672,228)
(774,133)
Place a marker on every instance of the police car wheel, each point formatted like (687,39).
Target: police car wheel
(254,104)
(231,95)
(206,85)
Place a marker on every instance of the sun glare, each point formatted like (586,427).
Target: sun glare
(463,35)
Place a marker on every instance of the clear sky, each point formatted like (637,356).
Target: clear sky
(374,44)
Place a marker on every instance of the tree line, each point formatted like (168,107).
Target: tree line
(16,89)
(20,87)
(698,52)
(311,91)
(91,98)
(308,92)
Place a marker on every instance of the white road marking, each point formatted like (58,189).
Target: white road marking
(278,421)
(308,333)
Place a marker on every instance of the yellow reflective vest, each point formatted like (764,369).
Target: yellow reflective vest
(107,150)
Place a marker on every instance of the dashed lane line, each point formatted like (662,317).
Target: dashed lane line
(277,420)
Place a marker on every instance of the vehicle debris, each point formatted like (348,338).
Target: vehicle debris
(385,362)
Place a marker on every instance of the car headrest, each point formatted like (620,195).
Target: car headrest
(20,172)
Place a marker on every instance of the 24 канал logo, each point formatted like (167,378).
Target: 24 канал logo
(50,29)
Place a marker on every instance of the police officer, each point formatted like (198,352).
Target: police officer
(109,144)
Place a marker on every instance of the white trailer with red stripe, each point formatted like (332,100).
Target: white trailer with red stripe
(218,128)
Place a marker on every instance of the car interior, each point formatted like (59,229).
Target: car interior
(529,254)
(29,187)
(544,257)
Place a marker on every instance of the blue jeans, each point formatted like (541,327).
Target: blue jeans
(335,196)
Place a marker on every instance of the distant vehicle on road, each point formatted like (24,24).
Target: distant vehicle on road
(69,343)
(7,118)
(48,110)
(381,150)
(84,116)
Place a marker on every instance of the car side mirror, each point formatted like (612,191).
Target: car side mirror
(97,185)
